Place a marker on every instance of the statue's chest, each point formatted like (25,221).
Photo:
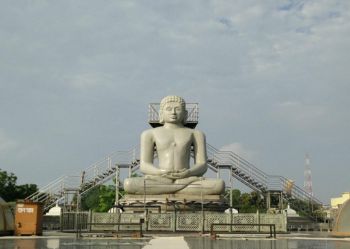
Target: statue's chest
(177,140)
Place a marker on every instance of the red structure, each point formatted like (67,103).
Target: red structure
(307,176)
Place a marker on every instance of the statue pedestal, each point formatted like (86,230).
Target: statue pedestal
(171,202)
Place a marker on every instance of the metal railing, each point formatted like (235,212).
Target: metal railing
(103,170)
(272,230)
(85,222)
(253,177)
(94,175)
(241,169)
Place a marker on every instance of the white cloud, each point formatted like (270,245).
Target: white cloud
(321,9)
(240,150)
(302,115)
(89,80)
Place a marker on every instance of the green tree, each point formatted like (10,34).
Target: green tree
(236,194)
(106,198)
(247,202)
(258,201)
(10,191)
(246,205)
(7,185)
(99,199)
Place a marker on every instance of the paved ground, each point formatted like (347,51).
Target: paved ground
(292,235)
(55,240)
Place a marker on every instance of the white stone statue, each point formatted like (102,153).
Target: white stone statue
(172,143)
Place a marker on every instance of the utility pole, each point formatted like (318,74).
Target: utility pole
(117,183)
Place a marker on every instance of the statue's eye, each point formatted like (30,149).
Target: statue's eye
(168,108)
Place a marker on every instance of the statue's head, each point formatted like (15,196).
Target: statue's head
(172,110)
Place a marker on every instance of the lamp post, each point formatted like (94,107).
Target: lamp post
(202,205)
(144,194)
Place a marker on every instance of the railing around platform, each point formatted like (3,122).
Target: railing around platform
(170,222)
(239,228)
(74,221)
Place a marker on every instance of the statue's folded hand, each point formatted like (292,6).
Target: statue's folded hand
(169,175)
(164,171)
(178,174)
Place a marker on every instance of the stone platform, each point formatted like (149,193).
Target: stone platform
(179,202)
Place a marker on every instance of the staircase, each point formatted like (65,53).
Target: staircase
(259,181)
(241,169)
(95,175)
(105,169)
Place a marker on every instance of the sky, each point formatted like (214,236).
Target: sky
(271,79)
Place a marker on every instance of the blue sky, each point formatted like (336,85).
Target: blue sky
(271,79)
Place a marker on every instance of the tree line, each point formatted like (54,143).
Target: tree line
(102,198)
(9,189)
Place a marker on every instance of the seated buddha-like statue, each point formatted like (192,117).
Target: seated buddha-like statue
(172,143)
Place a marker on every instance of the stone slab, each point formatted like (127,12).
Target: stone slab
(172,198)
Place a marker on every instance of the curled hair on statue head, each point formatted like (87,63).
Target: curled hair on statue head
(169,99)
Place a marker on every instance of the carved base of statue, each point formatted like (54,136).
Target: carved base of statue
(170,202)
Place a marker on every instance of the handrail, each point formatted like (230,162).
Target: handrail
(213,234)
(300,191)
(267,181)
(46,187)
(102,170)
(231,153)
(230,158)
(96,173)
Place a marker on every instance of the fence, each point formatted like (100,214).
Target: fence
(172,222)
(73,221)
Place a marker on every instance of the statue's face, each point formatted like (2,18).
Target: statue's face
(173,112)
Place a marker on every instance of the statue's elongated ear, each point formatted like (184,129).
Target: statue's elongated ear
(161,119)
(184,121)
